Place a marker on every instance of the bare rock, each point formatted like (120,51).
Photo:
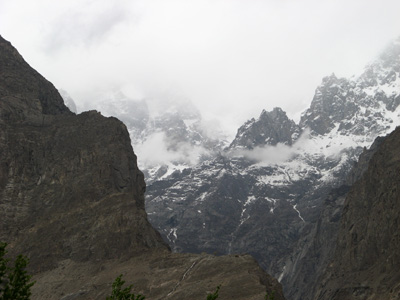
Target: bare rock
(367,257)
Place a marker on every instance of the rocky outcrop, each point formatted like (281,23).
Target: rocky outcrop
(60,179)
(366,261)
(330,105)
(72,200)
(62,174)
(315,250)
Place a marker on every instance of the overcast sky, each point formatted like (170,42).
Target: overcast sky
(232,58)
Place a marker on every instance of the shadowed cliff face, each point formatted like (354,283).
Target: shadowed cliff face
(70,185)
(315,250)
(367,258)
(72,200)
(71,189)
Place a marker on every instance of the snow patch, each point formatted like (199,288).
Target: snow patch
(295,208)
(202,197)
(280,277)
(273,202)
(172,236)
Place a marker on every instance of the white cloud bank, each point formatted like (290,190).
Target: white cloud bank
(155,151)
(232,58)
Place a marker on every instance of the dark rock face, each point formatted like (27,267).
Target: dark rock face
(61,174)
(72,200)
(60,177)
(314,251)
(367,257)
(24,92)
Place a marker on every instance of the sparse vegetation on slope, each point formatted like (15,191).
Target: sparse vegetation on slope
(15,282)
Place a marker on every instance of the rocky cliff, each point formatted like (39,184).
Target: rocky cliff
(59,180)
(366,261)
(314,251)
(72,200)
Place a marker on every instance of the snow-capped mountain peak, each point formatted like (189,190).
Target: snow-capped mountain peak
(261,192)
(270,128)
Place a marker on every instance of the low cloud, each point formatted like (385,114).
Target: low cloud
(276,154)
(156,150)
(266,154)
(232,58)
(93,22)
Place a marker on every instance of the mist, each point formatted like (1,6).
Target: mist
(155,151)
(275,154)
(231,58)
(266,154)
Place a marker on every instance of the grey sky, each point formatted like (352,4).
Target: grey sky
(232,58)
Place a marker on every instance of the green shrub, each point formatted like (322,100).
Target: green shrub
(123,294)
(214,295)
(14,281)
(270,296)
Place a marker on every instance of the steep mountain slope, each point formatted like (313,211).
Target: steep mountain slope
(267,189)
(57,175)
(72,200)
(314,251)
(367,257)
(380,82)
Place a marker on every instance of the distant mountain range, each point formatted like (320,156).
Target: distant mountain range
(264,192)
(316,203)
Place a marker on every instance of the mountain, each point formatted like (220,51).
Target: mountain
(377,112)
(271,128)
(72,200)
(266,191)
(277,190)
(366,260)
(57,178)
(314,251)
